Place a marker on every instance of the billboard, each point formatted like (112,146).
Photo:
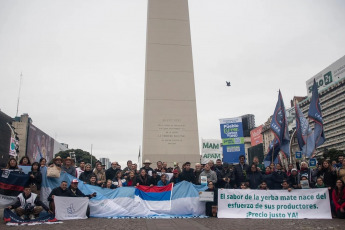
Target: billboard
(211,150)
(39,145)
(231,131)
(256,136)
(328,76)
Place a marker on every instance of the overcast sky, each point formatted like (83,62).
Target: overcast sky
(83,63)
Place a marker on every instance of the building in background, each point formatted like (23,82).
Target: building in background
(331,87)
(106,162)
(248,123)
(5,138)
(33,142)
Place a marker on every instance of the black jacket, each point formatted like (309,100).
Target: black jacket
(240,173)
(188,175)
(85,176)
(277,179)
(57,192)
(37,180)
(254,179)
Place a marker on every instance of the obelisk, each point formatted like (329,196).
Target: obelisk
(170,131)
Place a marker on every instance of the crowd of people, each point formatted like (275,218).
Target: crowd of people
(215,175)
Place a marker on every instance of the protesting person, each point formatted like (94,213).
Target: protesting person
(254,177)
(211,175)
(209,205)
(25,161)
(176,177)
(294,178)
(43,162)
(80,169)
(58,191)
(73,191)
(28,205)
(341,171)
(188,173)
(227,177)
(12,164)
(338,197)
(93,180)
(197,173)
(100,174)
(119,181)
(155,178)
(85,176)
(35,178)
(109,184)
(143,178)
(263,186)
(68,167)
(127,170)
(110,173)
(285,186)
(278,177)
(163,181)
(240,171)
(131,179)
(147,167)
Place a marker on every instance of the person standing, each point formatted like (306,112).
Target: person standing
(338,197)
(68,167)
(80,169)
(240,171)
(188,173)
(35,178)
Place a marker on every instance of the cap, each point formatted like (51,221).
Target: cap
(74,181)
(293,169)
(175,171)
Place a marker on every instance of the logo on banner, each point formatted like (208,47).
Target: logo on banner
(70,209)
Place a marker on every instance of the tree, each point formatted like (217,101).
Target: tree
(332,154)
(80,155)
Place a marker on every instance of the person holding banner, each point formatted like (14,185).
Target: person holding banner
(58,191)
(278,177)
(215,199)
(73,191)
(338,197)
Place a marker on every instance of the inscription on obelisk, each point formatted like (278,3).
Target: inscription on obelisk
(170,131)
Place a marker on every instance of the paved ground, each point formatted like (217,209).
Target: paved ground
(189,224)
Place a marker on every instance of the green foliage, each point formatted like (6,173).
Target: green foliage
(332,154)
(80,155)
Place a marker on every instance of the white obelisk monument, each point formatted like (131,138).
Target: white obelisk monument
(170,131)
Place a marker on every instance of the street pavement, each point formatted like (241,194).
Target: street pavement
(188,224)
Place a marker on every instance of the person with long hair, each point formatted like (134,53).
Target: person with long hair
(338,197)
(43,162)
(143,178)
(118,180)
(12,164)
(131,179)
(341,172)
(25,161)
(35,178)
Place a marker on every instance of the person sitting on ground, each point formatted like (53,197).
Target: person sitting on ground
(73,191)
(28,205)
(163,181)
(263,186)
(25,161)
(285,186)
(93,180)
(109,185)
(85,176)
(58,191)
(143,178)
(35,178)
(338,197)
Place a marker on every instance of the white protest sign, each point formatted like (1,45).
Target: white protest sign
(274,204)
(206,196)
(70,208)
(211,150)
